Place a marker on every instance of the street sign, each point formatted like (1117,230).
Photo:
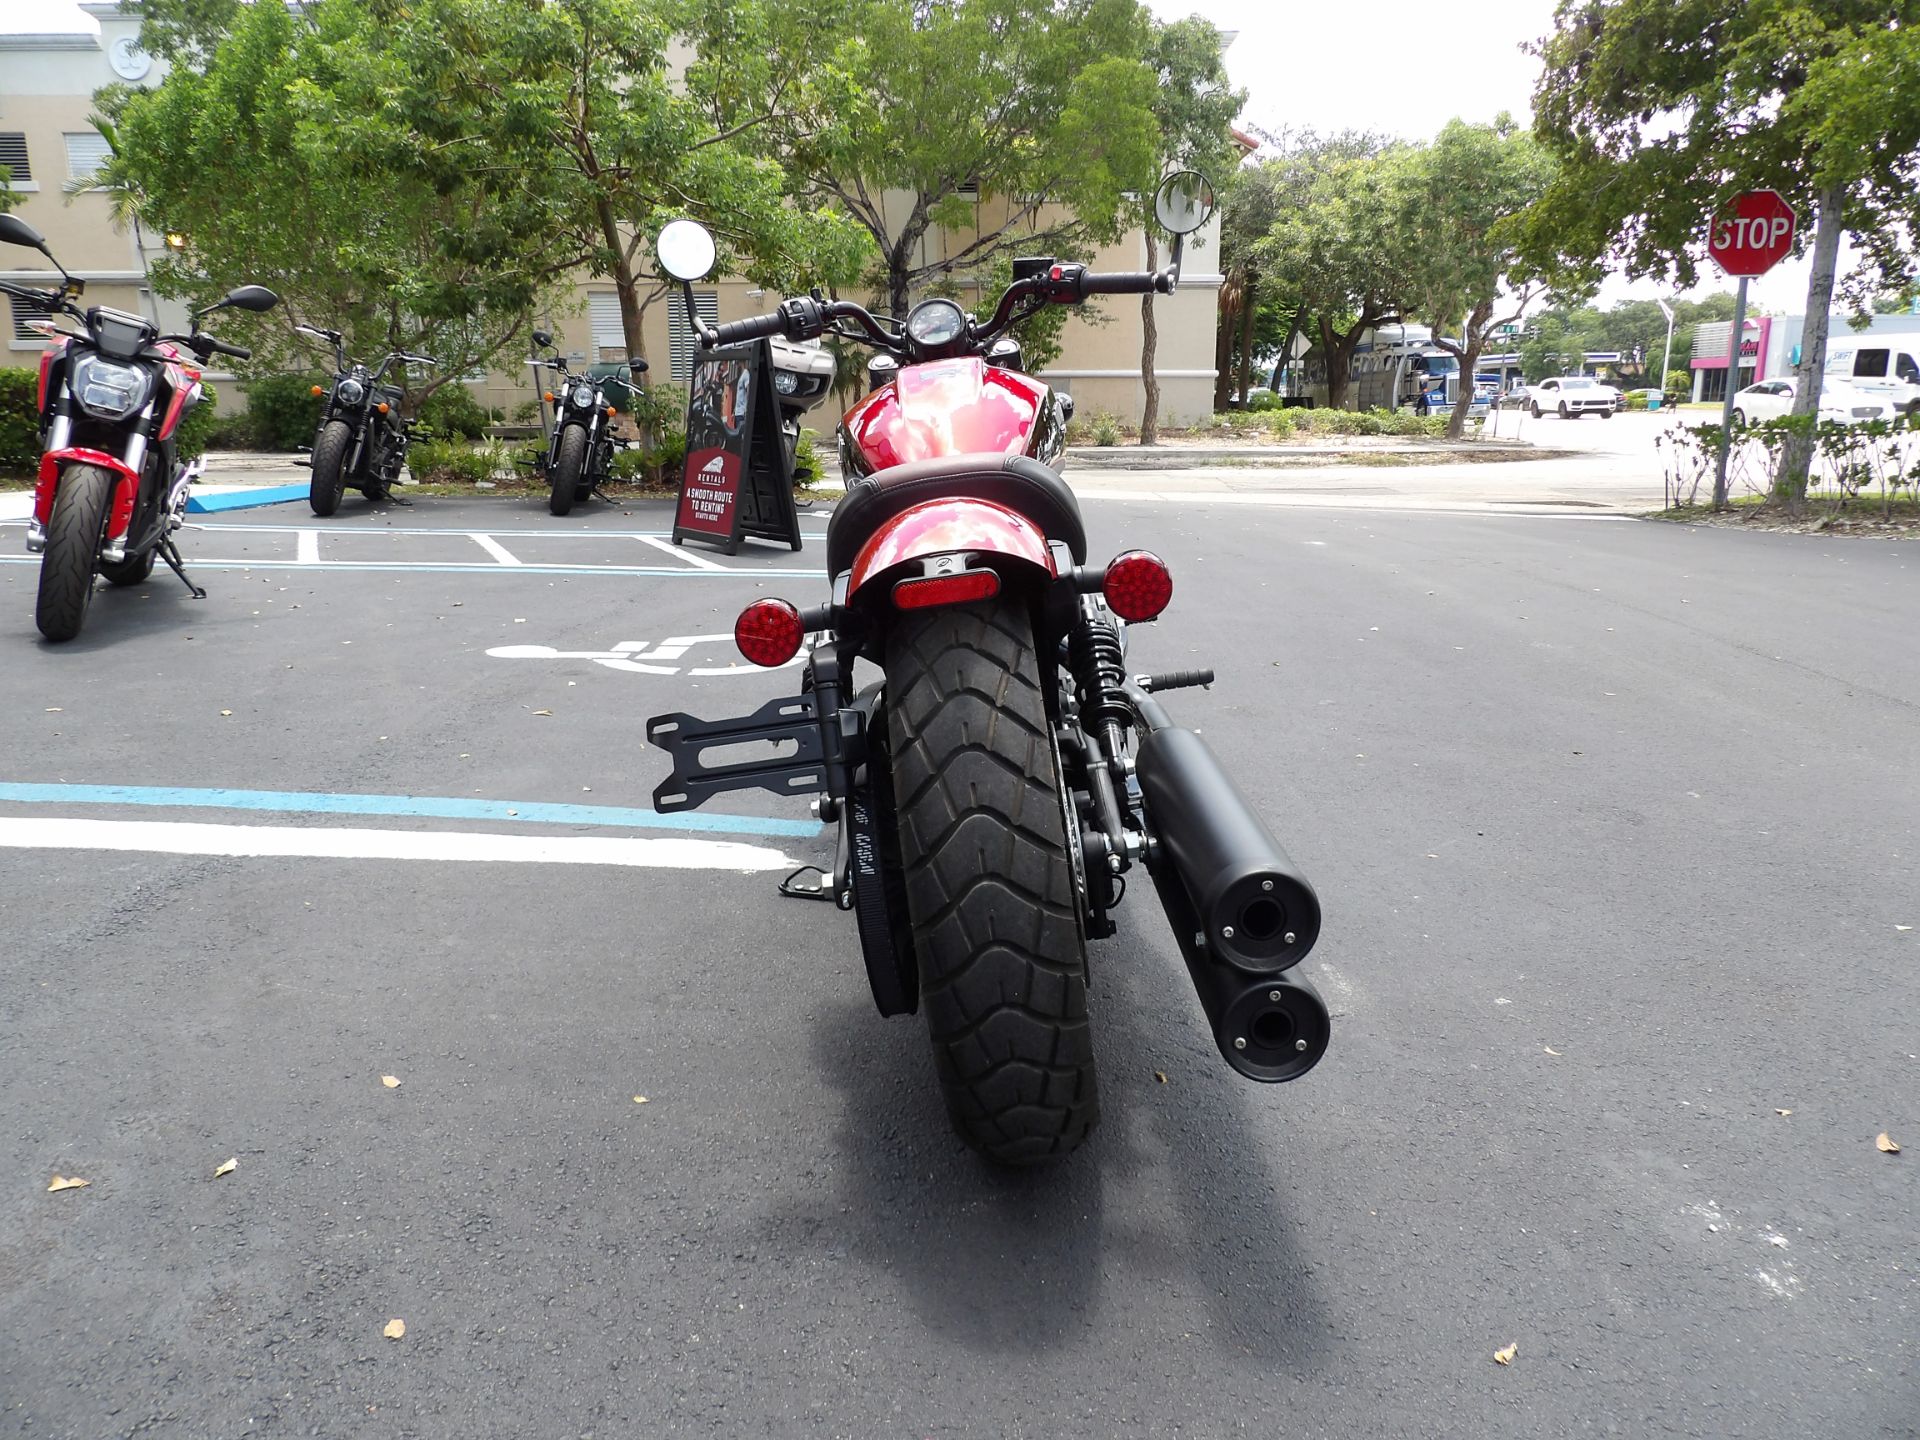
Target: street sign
(1752,236)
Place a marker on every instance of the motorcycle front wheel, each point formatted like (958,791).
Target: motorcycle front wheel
(568,461)
(996,927)
(134,570)
(329,467)
(73,550)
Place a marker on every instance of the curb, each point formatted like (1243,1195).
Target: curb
(246,499)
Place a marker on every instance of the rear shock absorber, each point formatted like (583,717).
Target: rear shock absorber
(1098,662)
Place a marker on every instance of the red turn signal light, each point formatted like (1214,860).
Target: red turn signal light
(769,632)
(1138,585)
(927,590)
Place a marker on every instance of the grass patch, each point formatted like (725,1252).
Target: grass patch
(1862,515)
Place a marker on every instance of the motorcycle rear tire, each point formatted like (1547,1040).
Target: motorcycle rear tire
(329,467)
(996,927)
(132,571)
(568,462)
(67,567)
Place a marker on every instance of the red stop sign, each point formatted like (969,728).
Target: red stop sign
(1753,236)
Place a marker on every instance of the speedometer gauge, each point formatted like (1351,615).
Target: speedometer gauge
(934,324)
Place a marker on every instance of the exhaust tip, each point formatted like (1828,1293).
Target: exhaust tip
(1265,920)
(1274,1029)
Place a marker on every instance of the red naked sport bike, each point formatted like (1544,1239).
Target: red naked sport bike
(112,489)
(997,783)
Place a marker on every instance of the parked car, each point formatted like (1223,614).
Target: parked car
(1839,402)
(1571,396)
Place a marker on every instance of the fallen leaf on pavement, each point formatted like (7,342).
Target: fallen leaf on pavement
(1884,1142)
(392,1082)
(228,1168)
(395,1329)
(55,710)
(1550,1050)
(74,1182)
(1903,927)
(1779,1111)
(1505,1357)
(639,1099)
(226,712)
(1161,1076)
(543,712)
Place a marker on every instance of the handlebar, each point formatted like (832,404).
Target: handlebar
(207,345)
(1127,282)
(755,327)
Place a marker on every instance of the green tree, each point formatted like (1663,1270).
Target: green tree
(1010,125)
(1193,114)
(275,173)
(573,109)
(1661,112)
(1457,201)
(1338,249)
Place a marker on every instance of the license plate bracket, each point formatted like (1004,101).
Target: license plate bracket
(686,739)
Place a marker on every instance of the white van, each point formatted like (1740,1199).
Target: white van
(1887,367)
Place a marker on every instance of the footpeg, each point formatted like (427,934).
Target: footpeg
(1174,680)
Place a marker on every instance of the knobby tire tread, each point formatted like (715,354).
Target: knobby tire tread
(996,929)
(329,467)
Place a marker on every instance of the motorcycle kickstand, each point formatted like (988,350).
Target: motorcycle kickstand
(172,556)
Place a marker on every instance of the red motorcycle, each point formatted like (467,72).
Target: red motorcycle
(996,786)
(112,489)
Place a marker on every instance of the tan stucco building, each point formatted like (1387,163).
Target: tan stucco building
(47,81)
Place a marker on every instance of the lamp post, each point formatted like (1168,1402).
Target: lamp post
(1666,310)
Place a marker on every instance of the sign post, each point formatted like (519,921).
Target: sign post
(738,480)
(1746,242)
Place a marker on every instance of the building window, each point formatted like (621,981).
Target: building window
(603,308)
(86,153)
(680,341)
(24,313)
(13,155)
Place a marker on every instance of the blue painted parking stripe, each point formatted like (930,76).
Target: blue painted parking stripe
(246,499)
(305,802)
(425,567)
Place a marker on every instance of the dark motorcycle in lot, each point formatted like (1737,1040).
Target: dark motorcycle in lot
(362,439)
(998,783)
(580,448)
(111,488)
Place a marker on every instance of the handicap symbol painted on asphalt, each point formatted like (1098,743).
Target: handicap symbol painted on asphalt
(643,657)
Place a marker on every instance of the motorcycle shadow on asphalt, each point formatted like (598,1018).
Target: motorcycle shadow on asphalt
(119,615)
(1174,1192)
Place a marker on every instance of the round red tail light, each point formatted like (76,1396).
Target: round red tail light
(769,632)
(1138,585)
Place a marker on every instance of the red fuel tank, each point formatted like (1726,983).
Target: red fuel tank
(952,407)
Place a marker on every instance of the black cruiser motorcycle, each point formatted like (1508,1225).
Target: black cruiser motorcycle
(580,448)
(363,437)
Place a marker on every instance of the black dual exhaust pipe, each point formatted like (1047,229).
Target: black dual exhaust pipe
(1240,909)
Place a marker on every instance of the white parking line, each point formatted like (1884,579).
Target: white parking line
(494,548)
(328,842)
(699,562)
(306,547)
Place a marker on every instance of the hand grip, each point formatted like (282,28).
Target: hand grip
(756,327)
(220,347)
(1127,282)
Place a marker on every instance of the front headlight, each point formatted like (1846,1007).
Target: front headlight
(349,391)
(109,390)
(786,382)
(583,396)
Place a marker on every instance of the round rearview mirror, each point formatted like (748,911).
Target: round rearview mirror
(686,250)
(543,338)
(1184,201)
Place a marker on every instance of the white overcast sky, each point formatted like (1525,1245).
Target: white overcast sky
(1385,65)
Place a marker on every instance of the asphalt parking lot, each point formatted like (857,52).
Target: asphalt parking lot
(1614,826)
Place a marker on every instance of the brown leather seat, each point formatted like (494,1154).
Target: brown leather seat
(1023,485)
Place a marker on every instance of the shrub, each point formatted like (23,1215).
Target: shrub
(1259,401)
(453,462)
(1636,400)
(191,439)
(282,411)
(806,455)
(1106,429)
(19,422)
(452,411)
